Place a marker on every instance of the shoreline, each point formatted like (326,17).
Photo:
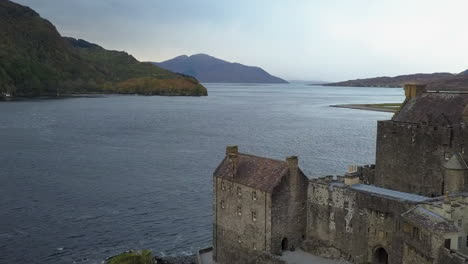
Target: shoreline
(84,95)
(366,107)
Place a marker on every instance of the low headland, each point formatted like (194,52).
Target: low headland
(387,107)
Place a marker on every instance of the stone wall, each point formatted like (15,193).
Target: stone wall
(288,213)
(414,256)
(332,220)
(420,245)
(366,174)
(410,157)
(449,257)
(337,213)
(241,222)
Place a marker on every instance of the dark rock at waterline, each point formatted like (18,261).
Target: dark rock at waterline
(176,260)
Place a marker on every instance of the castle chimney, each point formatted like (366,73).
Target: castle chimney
(293,166)
(414,90)
(352,176)
(231,149)
(231,153)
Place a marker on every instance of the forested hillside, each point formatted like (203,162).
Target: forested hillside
(36,60)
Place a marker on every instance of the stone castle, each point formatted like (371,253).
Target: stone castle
(410,207)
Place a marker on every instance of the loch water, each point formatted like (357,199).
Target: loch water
(82,179)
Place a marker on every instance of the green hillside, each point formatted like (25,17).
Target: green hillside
(35,60)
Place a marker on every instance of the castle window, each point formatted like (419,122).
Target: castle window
(416,232)
(466,241)
(254,195)
(346,205)
(460,222)
(254,216)
(406,227)
(382,215)
(460,242)
(223,186)
(239,210)
(239,191)
(447,155)
(222,204)
(447,243)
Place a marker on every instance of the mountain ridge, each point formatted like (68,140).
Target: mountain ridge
(434,81)
(35,60)
(209,69)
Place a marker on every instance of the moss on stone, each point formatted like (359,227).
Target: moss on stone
(133,257)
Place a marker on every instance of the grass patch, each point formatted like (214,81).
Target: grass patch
(385,106)
(133,257)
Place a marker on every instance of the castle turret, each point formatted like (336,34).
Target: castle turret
(455,170)
(414,90)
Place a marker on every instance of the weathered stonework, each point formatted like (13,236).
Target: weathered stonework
(410,207)
(255,214)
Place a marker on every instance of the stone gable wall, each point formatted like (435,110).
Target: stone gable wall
(289,215)
(234,233)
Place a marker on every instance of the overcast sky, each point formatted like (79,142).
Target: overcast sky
(328,40)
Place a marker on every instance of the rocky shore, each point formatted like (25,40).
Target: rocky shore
(176,260)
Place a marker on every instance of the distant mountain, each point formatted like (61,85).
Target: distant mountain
(212,70)
(434,81)
(397,81)
(456,82)
(35,60)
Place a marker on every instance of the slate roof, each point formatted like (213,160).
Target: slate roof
(371,189)
(257,172)
(422,217)
(456,162)
(441,108)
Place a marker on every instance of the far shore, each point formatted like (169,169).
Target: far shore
(390,107)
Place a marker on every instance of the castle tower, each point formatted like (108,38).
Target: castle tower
(455,172)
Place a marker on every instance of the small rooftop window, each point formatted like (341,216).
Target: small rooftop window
(447,155)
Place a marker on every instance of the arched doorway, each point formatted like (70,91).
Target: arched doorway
(380,256)
(284,244)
